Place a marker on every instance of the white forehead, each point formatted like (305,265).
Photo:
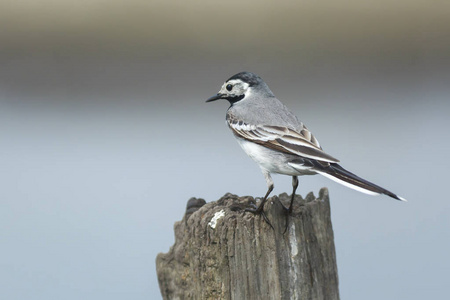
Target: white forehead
(244,85)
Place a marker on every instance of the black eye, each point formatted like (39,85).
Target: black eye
(229,87)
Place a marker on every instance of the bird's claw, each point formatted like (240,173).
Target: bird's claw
(260,211)
(287,211)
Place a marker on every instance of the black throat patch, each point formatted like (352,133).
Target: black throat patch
(234,98)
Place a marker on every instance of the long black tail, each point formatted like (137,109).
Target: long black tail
(342,176)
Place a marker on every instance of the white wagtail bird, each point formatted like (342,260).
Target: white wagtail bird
(275,139)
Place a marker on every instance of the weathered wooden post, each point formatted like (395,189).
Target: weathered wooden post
(220,252)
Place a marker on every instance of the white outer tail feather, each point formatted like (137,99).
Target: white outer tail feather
(357,188)
(349,185)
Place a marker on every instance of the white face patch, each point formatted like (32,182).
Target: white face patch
(248,93)
(239,88)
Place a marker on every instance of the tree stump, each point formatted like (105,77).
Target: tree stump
(223,252)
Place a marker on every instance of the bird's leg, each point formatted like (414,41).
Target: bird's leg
(260,209)
(294,188)
(289,210)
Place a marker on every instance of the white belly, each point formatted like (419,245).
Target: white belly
(270,160)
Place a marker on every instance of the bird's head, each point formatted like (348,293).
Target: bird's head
(240,86)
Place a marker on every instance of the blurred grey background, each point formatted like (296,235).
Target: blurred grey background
(104,134)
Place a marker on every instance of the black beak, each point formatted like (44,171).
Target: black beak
(215,97)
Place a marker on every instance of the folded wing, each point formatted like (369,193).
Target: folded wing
(283,139)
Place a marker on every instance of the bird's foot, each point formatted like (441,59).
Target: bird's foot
(287,212)
(260,211)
